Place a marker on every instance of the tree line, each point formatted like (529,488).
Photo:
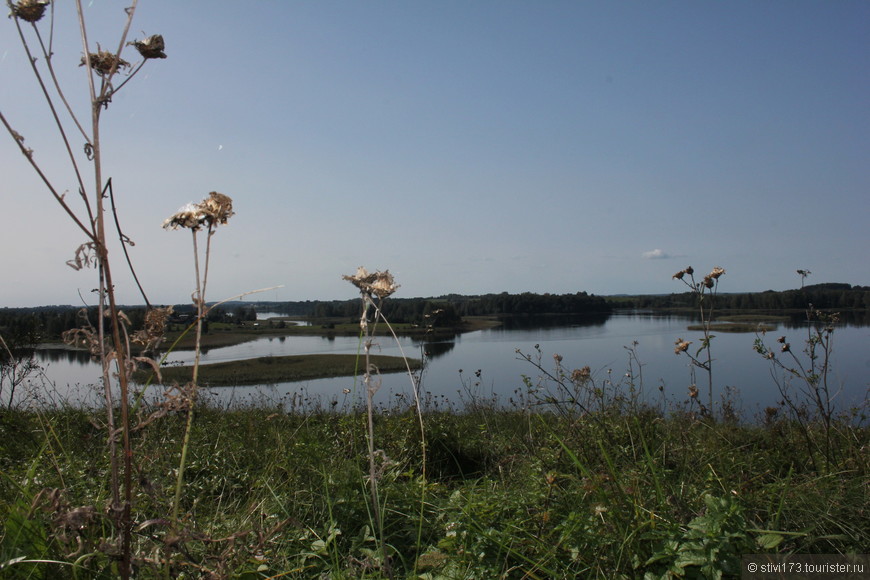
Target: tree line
(47,323)
(831,296)
(23,326)
(448,310)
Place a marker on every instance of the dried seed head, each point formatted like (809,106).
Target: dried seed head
(785,347)
(29,10)
(693,391)
(380,284)
(213,211)
(104,62)
(689,270)
(708,282)
(187,216)
(681,345)
(151,47)
(717,271)
(679,275)
(218,207)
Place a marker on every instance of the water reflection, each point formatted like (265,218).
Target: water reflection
(67,355)
(438,348)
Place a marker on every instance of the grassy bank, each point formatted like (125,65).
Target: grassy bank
(502,493)
(278,369)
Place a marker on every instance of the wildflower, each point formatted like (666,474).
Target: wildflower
(212,211)
(717,271)
(681,345)
(29,10)
(105,62)
(380,284)
(151,47)
(581,375)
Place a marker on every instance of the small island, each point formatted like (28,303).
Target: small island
(278,369)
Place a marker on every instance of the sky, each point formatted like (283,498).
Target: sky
(467,146)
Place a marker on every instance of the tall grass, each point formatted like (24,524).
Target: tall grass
(509,493)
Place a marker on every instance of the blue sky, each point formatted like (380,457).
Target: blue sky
(469,147)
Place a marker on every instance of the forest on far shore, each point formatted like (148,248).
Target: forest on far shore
(46,323)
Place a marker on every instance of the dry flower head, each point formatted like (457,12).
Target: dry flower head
(681,345)
(380,284)
(214,210)
(29,10)
(104,62)
(151,47)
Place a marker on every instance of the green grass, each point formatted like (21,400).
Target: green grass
(506,494)
(277,369)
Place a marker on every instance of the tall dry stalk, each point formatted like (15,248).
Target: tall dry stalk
(208,214)
(102,68)
(374,288)
(705,294)
(378,285)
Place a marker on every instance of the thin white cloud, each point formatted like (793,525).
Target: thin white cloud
(656,254)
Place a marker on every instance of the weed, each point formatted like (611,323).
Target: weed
(705,295)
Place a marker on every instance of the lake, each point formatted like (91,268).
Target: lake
(485,364)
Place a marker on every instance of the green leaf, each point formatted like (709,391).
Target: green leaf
(769,541)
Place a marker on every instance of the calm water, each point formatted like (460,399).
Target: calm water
(486,363)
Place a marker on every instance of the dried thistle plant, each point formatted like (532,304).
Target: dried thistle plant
(379,285)
(211,212)
(109,341)
(704,292)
